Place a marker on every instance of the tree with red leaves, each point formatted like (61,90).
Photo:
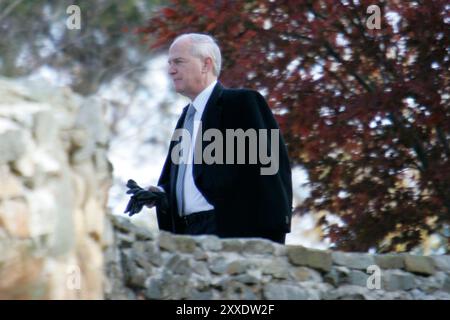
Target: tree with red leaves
(364,109)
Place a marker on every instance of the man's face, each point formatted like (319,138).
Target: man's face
(185,69)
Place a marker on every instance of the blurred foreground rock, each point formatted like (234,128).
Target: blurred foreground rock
(55,178)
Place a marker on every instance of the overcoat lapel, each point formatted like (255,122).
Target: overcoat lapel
(210,119)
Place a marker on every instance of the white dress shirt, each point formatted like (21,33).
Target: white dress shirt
(193,200)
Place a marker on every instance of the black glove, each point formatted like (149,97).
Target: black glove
(142,197)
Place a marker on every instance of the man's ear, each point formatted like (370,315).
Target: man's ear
(207,64)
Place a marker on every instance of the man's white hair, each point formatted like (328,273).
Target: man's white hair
(204,46)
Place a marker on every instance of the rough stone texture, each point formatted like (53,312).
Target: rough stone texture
(353,260)
(397,280)
(358,278)
(275,291)
(419,264)
(390,261)
(55,178)
(312,258)
(166,266)
(349,292)
(441,262)
(337,275)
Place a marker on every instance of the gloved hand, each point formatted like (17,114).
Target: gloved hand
(141,197)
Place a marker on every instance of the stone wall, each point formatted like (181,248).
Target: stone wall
(149,265)
(55,179)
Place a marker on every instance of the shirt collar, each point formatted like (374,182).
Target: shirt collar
(203,97)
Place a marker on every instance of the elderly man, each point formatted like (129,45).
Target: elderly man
(225,198)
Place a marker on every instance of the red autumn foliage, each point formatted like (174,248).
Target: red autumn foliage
(360,108)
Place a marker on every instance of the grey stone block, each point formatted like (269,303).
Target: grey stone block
(238,266)
(202,295)
(348,292)
(231,244)
(125,240)
(166,242)
(179,265)
(274,291)
(440,295)
(353,260)
(430,284)
(258,246)
(209,243)
(145,234)
(153,289)
(390,261)
(247,278)
(446,286)
(218,265)
(236,290)
(277,268)
(121,223)
(393,280)
(136,278)
(184,244)
(358,278)
(200,268)
(442,262)
(306,274)
(316,259)
(337,275)
(419,264)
